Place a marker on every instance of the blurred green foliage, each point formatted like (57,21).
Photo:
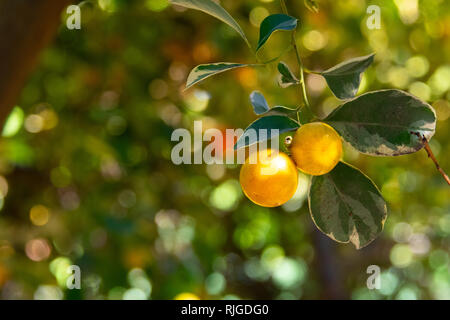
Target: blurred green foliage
(86,176)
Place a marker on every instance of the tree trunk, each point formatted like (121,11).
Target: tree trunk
(26,27)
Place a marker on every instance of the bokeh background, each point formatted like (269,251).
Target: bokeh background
(86,176)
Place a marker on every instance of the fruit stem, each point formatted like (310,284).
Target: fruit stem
(304,115)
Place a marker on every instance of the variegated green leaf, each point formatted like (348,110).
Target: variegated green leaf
(203,71)
(384,123)
(347,206)
(214,9)
(344,78)
(287,77)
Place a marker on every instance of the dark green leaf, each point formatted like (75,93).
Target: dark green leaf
(384,122)
(204,71)
(258,102)
(213,9)
(283,68)
(347,206)
(273,23)
(312,5)
(344,78)
(305,115)
(253,135)
(287,77)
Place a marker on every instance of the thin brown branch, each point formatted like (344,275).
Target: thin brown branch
(432,157)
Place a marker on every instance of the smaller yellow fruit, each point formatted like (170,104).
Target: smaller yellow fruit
(269,178)
(316,148)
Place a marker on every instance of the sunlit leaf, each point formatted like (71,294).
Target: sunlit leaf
(347,206)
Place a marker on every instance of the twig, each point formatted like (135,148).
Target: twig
(307,110)
(432,157)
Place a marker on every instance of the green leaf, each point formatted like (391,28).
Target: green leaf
(258,102)
(281,110)
(283,68)
(312,5)
(273,23)
(287,77)
(344,78)
(261,107)
(347,206)
(384,122)
(212,8)
(305,115)
(253,135)
(204,71)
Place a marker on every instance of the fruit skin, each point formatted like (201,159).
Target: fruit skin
(316,148)
(270,180)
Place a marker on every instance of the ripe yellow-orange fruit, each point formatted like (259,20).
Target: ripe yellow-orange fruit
(269,178)
(316,148)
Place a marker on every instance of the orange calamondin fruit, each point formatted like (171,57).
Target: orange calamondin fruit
(316,148)
(269,178)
